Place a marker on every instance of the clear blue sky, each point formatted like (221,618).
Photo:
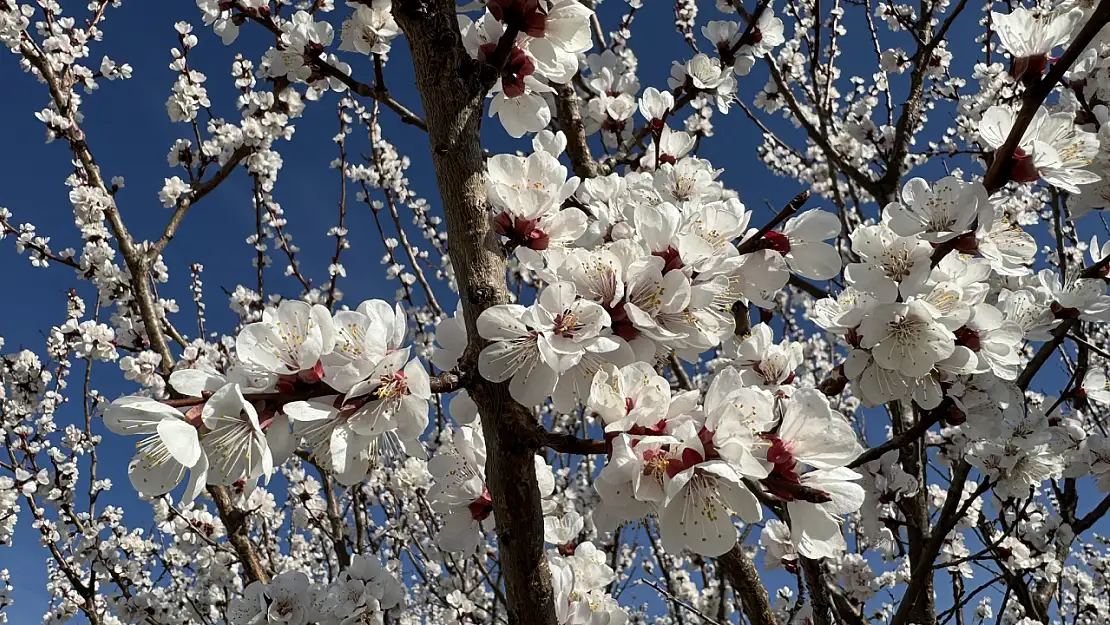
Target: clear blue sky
(130,134)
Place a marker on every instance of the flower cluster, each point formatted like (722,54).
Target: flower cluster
(655,270)
(365,396)
(694,465)
(362,593)
(533,43)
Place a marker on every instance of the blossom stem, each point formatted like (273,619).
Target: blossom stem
(1002,164)
(752,243)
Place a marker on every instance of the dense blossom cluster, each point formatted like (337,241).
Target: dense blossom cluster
(687,378)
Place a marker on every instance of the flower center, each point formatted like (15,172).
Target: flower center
(523,232)
(393,386)
(567,325)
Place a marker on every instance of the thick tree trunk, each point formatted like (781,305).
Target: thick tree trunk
(453,88)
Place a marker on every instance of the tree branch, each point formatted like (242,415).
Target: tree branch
(745,581)
(1002,164)
(193,196)
(570,118)
(453,87)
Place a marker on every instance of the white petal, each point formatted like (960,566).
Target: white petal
(181,440)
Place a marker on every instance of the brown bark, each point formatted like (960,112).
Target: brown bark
(235,522)
(570,118)
(745,581)
(452,88)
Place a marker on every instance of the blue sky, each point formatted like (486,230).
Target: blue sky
(130,134)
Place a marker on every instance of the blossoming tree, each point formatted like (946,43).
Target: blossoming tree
(897,397)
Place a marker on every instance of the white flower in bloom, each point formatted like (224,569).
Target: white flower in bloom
(1031,309)
(578,583)
(289,340)
(737,416)
(1009,249)
(173,189)
(843,312)
(815,527)
(170,446)
(1030,40)
(362,338)
(761,361)
(236,447)
(394,398)
(632,482)
(1096,387)
(634,395)
(521,108)
(905,338)
(380,588)
(564,35)
(568,326)
(697,511)
(995,340)
(451,341)
(893,264)
(671,146)
(802,244)
(1053,148)
(325,426)
(359,347)
(706,74)
(528,187)
(459,490)
(814,434)
(778,549)
(302,31)
(938,213)
(370,29)
(1076,297)
(514,353)
(564,529)
(655,104)
(286,600)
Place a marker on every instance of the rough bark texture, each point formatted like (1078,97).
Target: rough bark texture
(452,87)
(745,581)
(570,118)
(916,510)
(235,522)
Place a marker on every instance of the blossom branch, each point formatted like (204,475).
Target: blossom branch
(236,522)
(1061,331)
(376,92)
(186,201)
(914,105)
(570,119)
(753,242)
(950,514)
(571,444)
(1002,162)
(134,258)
